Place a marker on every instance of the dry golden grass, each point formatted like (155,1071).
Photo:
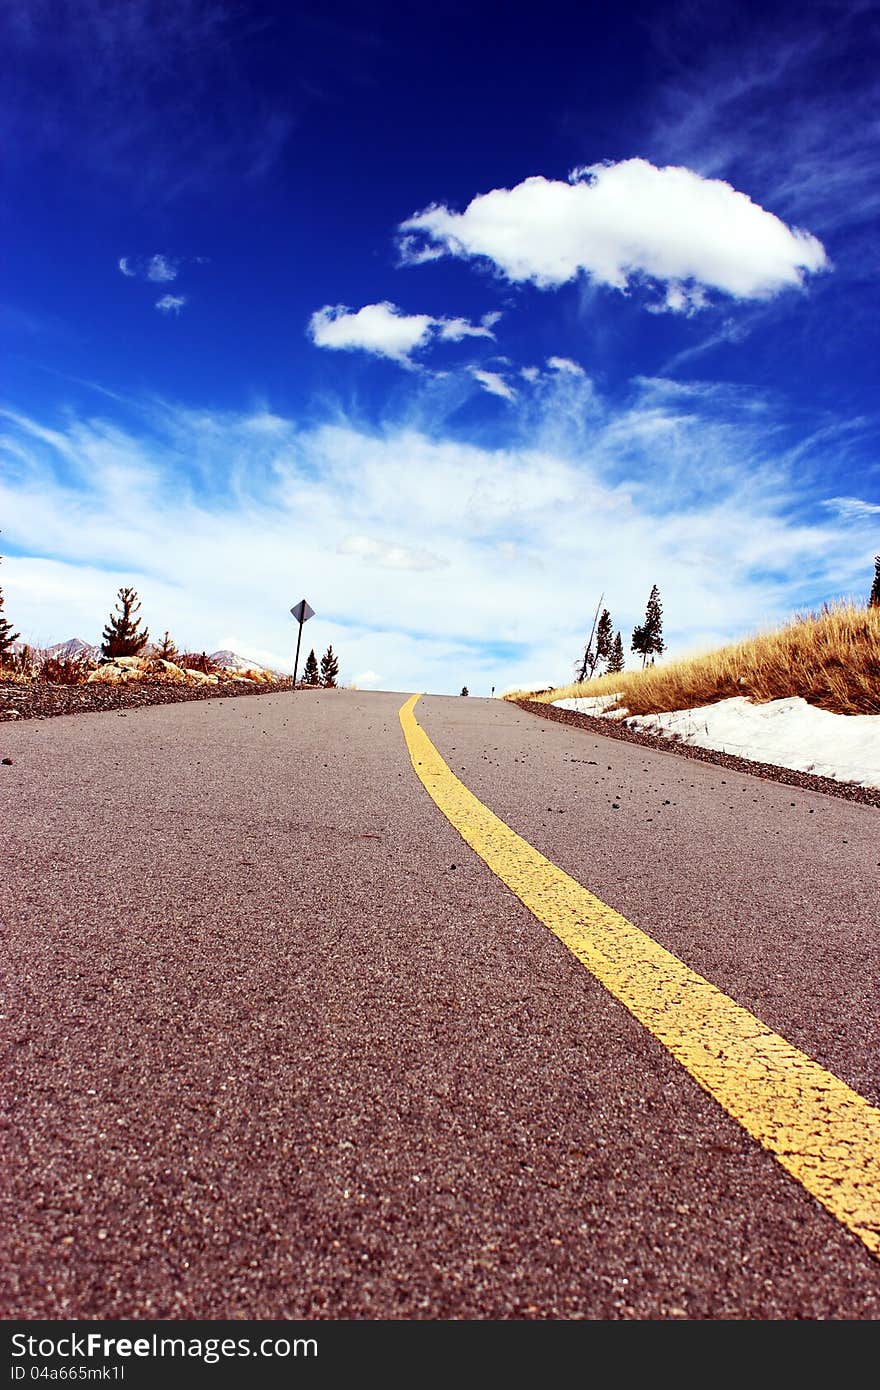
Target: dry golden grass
(831,659)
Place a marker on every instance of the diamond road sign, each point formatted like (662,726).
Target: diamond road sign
(302,612)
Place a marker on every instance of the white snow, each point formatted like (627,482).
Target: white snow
(785,733)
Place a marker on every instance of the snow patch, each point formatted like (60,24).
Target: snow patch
(596,705)
(784,733)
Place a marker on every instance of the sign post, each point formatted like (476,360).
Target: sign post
(302,612)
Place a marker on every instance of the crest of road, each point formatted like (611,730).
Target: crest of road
(343,1005)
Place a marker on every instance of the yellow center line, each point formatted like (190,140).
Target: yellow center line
(821,1131)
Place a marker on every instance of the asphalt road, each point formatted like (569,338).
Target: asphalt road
(281,1046)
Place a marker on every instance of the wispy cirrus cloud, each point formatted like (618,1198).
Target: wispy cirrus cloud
(853,508)
(204,511)
(390,556)
(789,101)
(620,223)
(141,86)
(386,331)
(171,303)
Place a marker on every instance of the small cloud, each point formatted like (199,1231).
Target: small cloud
(160,269)
(171,303)
(366,678)
(530,374)
(456,329)
(564,364)
(386,331)
(388,556)
(494,384)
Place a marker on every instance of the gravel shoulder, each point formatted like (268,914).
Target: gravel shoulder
(42,700)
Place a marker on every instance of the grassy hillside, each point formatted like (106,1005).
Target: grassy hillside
(831,659)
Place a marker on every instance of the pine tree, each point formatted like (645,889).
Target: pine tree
(310,671)
(329,668)
(168,651)
(7,636)
(464,690)
(615,656)
(603,638)
(647,638)
(121,635)
(874,600)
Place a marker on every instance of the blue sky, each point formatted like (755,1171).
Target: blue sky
(446,318)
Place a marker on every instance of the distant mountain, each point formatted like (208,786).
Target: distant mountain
(233,662)
(74,649)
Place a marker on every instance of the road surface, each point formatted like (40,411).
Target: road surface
(281,1045)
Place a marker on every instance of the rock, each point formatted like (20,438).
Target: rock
(199,677)
(166,670)
(114,673)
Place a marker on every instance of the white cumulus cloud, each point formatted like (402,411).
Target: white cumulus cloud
(386,331)
(616,222)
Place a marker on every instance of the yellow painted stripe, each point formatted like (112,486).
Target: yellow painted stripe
(825,1134)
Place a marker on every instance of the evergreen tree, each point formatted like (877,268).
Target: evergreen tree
(329,668)
(7,636)
(647,638)
(874,600)
(310,671)
(603,638)
(615,656)
(121,635)
(464,690)
(168,651)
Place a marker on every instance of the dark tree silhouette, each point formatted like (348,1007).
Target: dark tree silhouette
(168,651)
(615,656)
(121,635)
(329,668)
(647,638)
(874,600)
(464,690)
(603,638)
(7,636)
(310,670)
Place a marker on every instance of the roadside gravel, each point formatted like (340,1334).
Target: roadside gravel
(42,700)
(611,728)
